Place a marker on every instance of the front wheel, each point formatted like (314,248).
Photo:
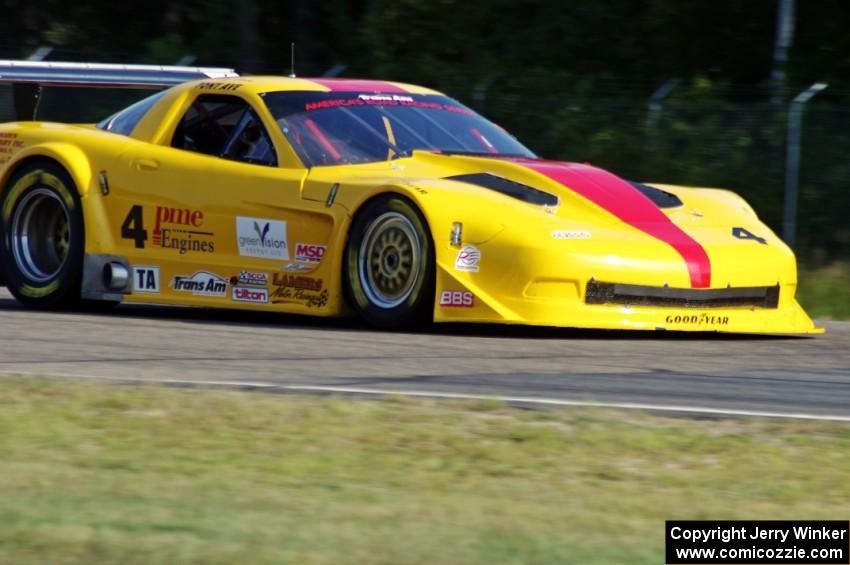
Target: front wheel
(389,264)
(41,249)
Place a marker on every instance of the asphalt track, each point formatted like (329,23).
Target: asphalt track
(690,373)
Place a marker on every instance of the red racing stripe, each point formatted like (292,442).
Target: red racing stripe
(355,85)
(621,199)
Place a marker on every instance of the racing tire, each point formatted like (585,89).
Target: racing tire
(42,237)
(388,267)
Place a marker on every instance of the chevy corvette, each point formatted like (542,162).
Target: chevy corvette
(335,197)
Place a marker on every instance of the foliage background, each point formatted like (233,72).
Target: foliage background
(571,79)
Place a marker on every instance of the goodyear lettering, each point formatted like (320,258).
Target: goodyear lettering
(39,291)
(698,320)
(32,179)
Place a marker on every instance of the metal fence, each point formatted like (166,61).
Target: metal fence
(741,146)
(710,142)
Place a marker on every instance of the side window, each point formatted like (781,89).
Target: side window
(126,120)
(224,126)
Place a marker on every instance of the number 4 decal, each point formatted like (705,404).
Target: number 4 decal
(742,233)
(133,227)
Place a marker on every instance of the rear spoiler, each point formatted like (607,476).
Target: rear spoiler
(28,77)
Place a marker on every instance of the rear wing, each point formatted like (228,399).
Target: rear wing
(28,77)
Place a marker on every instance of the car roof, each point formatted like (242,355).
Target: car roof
(261,84)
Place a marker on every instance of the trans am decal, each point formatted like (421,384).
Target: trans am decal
(202,283)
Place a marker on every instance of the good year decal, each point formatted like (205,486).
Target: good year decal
(697,319)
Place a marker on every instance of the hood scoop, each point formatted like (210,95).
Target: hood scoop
(509,188)
(660,198)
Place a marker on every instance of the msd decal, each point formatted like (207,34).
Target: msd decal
(309,252)
(258,237)
(145,279)
(456,298)
(202,283)
(248,294)
(467,259)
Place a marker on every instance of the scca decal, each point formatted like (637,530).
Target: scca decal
(456,298)
(698,320)
(250,278)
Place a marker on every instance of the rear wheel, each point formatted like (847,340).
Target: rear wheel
(41,249)
(389,264)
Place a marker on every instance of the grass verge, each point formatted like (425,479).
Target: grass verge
(94,473)
(825,292)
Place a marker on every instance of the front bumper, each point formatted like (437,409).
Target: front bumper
(557,301)
(787,318)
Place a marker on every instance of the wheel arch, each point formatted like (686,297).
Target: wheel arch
(401,191)
(393,190)
(69,157)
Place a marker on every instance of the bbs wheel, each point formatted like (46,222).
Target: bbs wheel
(389,263)
(41,249)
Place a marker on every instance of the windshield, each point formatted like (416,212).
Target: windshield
(333,128)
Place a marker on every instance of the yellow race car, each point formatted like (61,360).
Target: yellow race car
(331,196)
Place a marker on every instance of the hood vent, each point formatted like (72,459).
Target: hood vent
(661,198)
(509,188)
